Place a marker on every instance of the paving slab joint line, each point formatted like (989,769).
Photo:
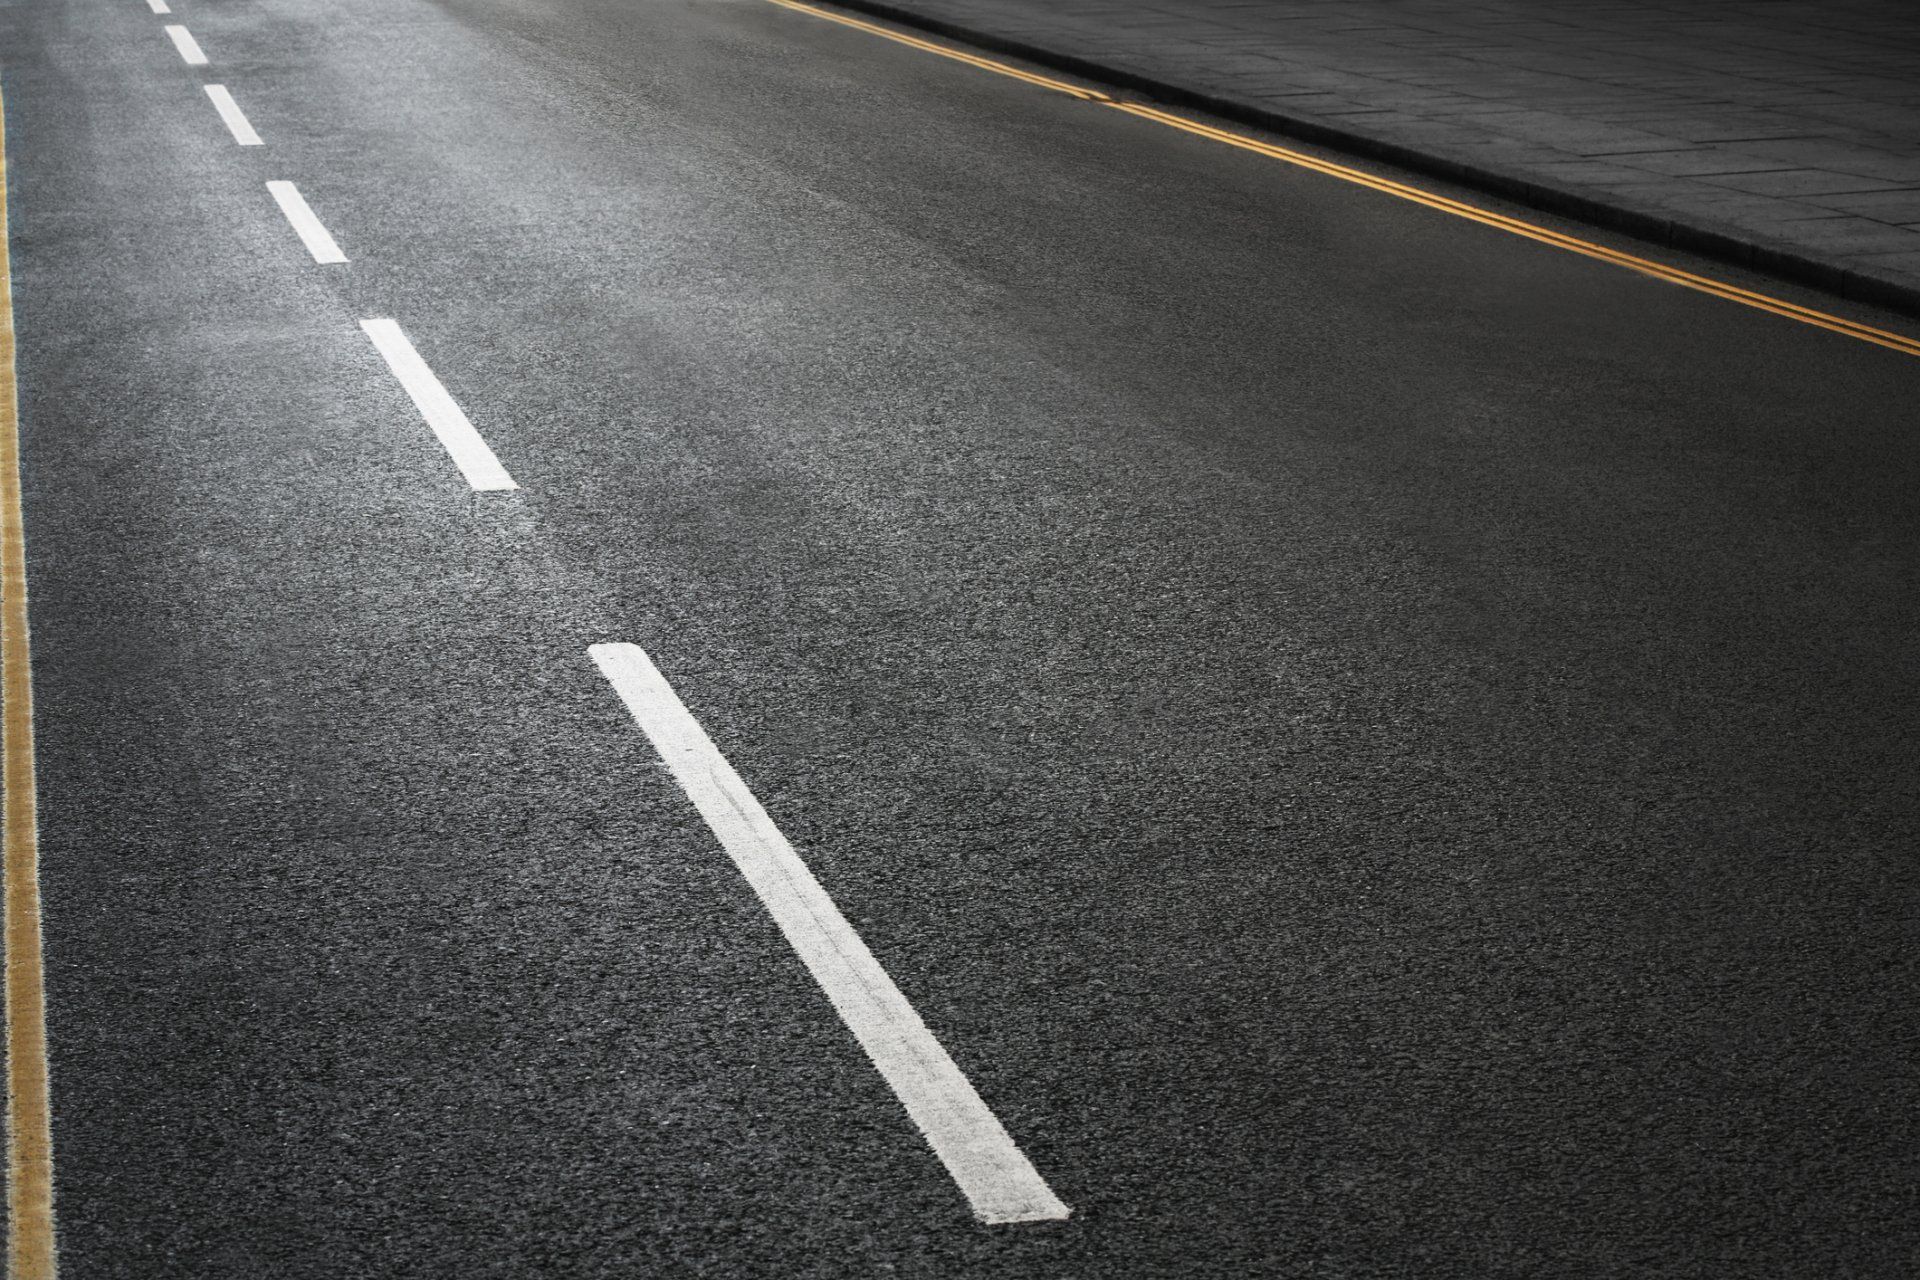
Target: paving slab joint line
(1721,241)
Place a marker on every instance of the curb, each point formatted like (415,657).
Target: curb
(1710,239)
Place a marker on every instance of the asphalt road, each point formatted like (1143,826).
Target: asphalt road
(1382,749)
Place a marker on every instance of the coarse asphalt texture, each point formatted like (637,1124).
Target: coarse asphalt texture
(1383,749)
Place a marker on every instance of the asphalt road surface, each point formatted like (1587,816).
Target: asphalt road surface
(1380,748)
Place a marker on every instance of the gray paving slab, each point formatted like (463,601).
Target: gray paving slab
(1886,206)
(1795,99)
(1800,182)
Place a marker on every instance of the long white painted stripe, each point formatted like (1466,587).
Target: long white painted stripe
(158,6)
(996,1175)
(469,452)
(235,119)
(312,234)
(189,48)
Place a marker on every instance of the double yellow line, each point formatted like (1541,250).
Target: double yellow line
(30,1253)
(1459,209)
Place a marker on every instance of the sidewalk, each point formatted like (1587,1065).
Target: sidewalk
(1781,134)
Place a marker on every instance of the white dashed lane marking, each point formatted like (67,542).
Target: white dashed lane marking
(995,1175)
(463,444)
(234,118)
(305,223)
(189,47)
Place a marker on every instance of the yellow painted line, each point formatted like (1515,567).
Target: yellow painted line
(958,55)
(1432,200)
(30,1254)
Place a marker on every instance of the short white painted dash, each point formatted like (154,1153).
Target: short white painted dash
(301,215)
(996,1176)
(469,452)
(189,47)
(158,6)
(234,118)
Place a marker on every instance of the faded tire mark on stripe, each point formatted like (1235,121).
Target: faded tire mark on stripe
(30,1248)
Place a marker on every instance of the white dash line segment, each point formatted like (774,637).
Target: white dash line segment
(301,215)
(234,118)
(469,452)
(158,6)
(996,1176)
(189,47)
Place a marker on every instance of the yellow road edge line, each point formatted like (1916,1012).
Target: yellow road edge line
(1533,231)
(1432,200)
(30,1247)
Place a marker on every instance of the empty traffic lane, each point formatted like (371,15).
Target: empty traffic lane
(1370,744)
